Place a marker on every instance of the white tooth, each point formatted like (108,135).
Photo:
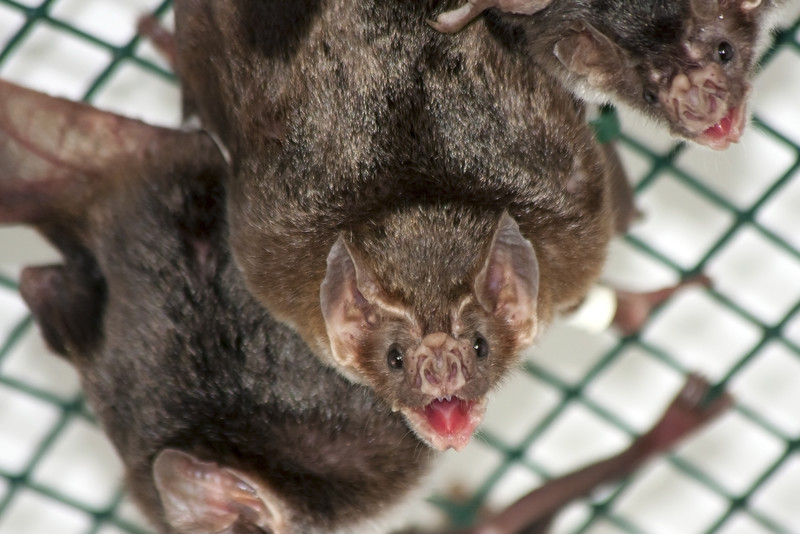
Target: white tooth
(448,398)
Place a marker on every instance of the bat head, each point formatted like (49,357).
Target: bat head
(693,76)
(433,359)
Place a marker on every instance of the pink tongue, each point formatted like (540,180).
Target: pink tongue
(448,417)
(722,128)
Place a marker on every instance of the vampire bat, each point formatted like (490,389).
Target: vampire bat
(417,207)
(225,422)
(687,63)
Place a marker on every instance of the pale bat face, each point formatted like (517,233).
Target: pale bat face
(707,101)
(698,85)
(434,363)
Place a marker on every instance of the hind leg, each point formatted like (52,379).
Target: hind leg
(693,407)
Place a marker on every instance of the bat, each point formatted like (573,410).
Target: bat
(416,207)
(687,64)
(207,399)
(185,371)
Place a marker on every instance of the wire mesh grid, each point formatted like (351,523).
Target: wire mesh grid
(578,397)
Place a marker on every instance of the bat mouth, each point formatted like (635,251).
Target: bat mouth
(728,130)
(446,422)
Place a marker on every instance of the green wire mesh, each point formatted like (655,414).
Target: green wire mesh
(578,397)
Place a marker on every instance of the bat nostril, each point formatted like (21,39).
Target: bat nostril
(432,378)
(441,374)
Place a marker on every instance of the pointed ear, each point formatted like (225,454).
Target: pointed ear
(508,284)
(203,498)
(347,301)
(587,52)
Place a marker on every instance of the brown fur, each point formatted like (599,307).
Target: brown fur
(224,420)
(390,130)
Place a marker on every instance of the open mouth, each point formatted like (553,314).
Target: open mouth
(448,422)
(728,130)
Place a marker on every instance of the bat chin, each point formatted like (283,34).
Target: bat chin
(728,130)
(446,423)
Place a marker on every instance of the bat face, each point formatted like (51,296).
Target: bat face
(707,101)
(438,381)
(694,78)
(433,351)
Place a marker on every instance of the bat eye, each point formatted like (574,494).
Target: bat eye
(650,96)
(394,357)
(481,347)
(725,51)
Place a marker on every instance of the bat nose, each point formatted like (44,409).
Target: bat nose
(442,366)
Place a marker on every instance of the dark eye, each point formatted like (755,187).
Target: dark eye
(481,347)
(725,51)
(650,96)
(394,357)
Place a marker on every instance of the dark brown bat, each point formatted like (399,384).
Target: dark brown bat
(212,405)
(686,63)
(225,422)
(416,207)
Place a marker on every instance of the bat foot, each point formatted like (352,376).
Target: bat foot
(633,309)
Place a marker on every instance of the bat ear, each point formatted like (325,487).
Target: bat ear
(203,498)
(508,284)
(347,299)
(587,52)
